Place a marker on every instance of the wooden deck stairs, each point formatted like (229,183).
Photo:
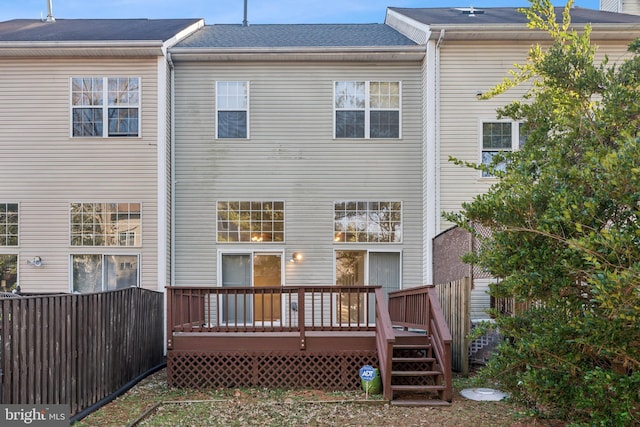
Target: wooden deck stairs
(416,378)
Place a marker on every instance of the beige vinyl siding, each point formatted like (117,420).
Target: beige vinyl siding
(631,6)
(621,6)
(291,156)
(466,69)
(44,169)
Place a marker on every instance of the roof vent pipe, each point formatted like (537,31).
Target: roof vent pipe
(50,17)
(245,23)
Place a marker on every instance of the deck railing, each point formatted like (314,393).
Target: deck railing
(270,309)
(385,339)
(419,309)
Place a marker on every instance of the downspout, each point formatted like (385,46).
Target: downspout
(172,136)
(172,232)
(432,153)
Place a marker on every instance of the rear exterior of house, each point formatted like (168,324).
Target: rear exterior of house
(298,139)
(469,51)
(84,113)
(298,208)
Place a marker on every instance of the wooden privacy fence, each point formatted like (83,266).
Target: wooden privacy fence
(455,300)
(77,349)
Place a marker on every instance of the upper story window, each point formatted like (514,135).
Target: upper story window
(367,109)
(250,221)
(232,109)
(105,106)
(500,137)
(367,222)
(105,224)
(8,224)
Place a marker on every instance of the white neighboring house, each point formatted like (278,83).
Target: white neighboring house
(468,51)
(84,145)
(621,6)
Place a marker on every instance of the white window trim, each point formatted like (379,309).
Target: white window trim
(107,246)
(515,139)
(251,252)
(14,247)
(248,109)
(367,250)
(367,109)
(105,108)
(104,254)
(284,225)
(352,244)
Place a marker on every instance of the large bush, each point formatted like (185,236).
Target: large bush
(565,228)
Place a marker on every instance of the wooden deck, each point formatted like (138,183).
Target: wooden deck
(321,344)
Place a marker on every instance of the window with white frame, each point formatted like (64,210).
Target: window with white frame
(250,221)
(104,272)
(232,109)
(364,268)
(497,137)
(366,109)
(105,224)
(9,224)
(8,272)
(367,221)
(105,106)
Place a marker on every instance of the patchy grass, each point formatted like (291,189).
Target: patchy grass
(262,407)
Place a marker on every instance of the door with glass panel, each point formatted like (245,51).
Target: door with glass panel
(360,268)
(252,270)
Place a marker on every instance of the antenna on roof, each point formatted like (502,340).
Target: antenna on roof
(245,22)
(50,17)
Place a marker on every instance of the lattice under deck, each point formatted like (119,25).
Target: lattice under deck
(289,370)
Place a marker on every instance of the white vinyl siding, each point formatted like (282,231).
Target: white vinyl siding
(467,68)
(44,169)
(291,156)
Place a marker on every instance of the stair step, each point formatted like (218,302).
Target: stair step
(413,359)
(415,373)
(418,388)
(414,402)
(411,346)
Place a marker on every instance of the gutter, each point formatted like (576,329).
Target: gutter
(115,48)
(369,53)
(599,31)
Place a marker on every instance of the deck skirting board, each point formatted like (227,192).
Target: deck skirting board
(327,370)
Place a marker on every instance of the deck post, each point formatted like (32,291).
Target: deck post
(301,317)
(169,311)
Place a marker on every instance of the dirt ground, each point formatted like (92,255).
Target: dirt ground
(152,403)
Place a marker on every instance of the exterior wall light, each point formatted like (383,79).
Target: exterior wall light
(296,257)
(35,262)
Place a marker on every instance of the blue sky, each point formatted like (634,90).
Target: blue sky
(232,11)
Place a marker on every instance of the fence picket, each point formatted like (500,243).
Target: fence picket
(77,349)
(455,300)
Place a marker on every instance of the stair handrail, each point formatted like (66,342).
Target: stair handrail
(385,338)
(419,308)
(441,338)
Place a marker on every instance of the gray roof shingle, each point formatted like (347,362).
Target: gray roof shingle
(74,30)
(507,15)
(295,35)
